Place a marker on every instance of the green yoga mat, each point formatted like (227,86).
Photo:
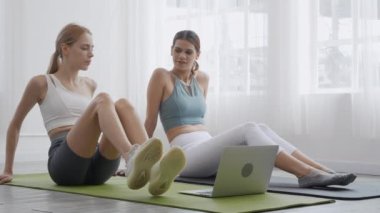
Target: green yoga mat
(116,188)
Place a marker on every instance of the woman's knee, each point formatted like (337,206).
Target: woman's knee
(250,125)
(103,99)
(263,126)
(124,105)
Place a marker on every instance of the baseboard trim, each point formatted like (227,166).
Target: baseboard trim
(354,167)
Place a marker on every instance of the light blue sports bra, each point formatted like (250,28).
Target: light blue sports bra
(183,106)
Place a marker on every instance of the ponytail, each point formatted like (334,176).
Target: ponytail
(68,35)
(195,68)
(54,63)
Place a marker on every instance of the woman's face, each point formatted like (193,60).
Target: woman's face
(80,53)
(184,55)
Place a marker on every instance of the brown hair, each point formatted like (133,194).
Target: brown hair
(191,37)
(68,35)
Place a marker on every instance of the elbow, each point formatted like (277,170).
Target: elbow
(150,126)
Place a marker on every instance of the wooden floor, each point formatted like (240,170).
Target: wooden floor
(19,200)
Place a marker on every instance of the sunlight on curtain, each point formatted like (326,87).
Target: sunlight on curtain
(30,38)
(280,62)
(366,101)
(346,64)
(303,67)
(4,68)
(247,50)
(143,51)
(2,47)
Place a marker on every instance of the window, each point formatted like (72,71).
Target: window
(348,38)
(234,41)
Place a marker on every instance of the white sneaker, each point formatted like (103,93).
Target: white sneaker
(163,175)
(141,161)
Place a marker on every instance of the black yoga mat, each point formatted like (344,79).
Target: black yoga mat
(358,190)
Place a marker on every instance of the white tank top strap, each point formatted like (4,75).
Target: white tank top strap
(60,106)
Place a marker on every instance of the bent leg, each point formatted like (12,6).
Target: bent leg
(100,116)
(101,169)
(131,123)
(66,167)
(132,127)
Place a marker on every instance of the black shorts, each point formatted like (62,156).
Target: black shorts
(67,168)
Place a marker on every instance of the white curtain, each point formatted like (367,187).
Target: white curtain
(126,34)
(366,101)
(144,50)
(3,66)
(255,52)
(266,63)
(28,32)
(261,56)
(249,50)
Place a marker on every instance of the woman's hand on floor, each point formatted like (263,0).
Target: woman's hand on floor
(6,178)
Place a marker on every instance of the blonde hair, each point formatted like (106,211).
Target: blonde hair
(68,35)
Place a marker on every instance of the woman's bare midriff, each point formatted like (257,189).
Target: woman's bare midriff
(174,132)
(58,130)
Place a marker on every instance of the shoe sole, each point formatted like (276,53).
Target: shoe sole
(170,166)
(150,153)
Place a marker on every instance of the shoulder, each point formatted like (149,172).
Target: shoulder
(161,75)
(37,87)
(202,77)
(38,82)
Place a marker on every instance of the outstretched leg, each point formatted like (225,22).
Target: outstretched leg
(306,159)
(203,156)
(290,149)
(307,175)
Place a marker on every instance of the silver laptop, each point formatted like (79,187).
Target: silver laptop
(242,170)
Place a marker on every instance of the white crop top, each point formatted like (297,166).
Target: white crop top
(61,107)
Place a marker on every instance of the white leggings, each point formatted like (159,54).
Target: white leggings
(203,151)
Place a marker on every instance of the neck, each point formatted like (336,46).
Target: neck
(184,76)
(69,76)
